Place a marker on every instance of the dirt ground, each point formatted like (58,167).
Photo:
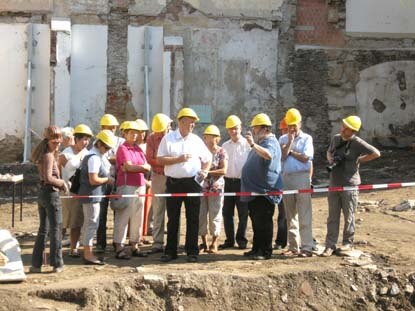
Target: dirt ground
(229,281)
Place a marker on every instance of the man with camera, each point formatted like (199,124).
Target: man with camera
(345,154)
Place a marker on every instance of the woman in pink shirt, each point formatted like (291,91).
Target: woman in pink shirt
(131,165)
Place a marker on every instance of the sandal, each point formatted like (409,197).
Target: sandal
(213,249)
(203,247)
(121,254)
(138,253)
(94,262)
(305,254)
(290,254)
(74,253)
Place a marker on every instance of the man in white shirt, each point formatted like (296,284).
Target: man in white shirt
(237,149)
(186,161)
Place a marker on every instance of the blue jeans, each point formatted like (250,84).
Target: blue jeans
(50,222)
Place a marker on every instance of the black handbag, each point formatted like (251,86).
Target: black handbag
(75,180)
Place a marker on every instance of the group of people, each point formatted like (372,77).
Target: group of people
(179,161)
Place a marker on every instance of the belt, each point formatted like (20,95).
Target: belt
(232,179)
(183,178)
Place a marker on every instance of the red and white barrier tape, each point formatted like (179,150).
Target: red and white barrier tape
(248,194)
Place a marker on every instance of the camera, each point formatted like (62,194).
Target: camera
(337,161)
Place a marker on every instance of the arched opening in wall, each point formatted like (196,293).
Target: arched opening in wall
(386,103)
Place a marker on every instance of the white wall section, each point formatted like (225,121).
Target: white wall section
(395,18)
(88,74)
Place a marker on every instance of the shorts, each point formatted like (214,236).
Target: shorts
(72,213)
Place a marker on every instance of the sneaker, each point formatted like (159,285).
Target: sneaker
(242,246)
(278,247)
(58,269)
(192,258)
(35,270)
(250,253)
(327,252)
(226,245)
(345,248)
(167,258)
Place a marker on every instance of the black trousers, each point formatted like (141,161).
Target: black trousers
(281,238)
(228,211)
(261,211)
(192,206)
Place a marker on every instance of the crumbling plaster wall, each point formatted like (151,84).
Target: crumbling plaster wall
(335,75)
(230,61)
(230,53)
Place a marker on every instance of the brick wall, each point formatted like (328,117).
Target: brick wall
(118,92)
(319,23)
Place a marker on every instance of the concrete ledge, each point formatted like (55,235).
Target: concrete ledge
(26,5)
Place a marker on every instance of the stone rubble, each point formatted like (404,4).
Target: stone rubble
(405,205)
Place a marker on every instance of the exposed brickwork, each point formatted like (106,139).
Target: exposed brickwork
(310,74)
(313,26)
(118,92)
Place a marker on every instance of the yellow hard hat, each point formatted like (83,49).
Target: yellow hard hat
(142,125)
(160,122)
(83,129)
(353,122)
(292,117)
(130,125)
(187,112)
(261,119)
(107,137)
(109,120)
(212,130)
(232,121)
(123,124)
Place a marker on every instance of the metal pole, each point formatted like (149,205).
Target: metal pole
(147,48)
(27,137)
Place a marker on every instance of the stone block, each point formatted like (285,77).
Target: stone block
(26,5)
(147,7)
(90,6)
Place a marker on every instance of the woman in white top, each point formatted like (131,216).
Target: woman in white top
(69,160)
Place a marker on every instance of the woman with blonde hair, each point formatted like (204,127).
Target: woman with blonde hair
(49,204)
(210,214)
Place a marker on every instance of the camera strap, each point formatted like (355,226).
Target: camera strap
(344,143)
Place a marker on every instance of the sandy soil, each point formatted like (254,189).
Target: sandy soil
(385,234)
(229,281)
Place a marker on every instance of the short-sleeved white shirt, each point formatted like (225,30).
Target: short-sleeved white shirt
(73,161)
(174,145)
(237,153)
